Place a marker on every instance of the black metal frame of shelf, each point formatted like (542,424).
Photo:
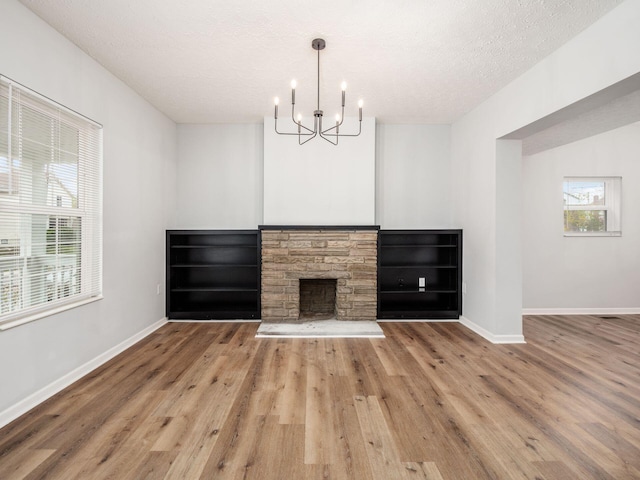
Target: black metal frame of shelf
(195,287)
(398,251)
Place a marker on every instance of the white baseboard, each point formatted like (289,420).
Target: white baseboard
(56,386)
(581,311)
(471,326)
(490,336)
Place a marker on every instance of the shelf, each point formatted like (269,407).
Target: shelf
(195,265)
(213,274)
(434,308)
(215,290)
(234,314)
(419,245)
(418,266)
(426,314)
(213,246)
(419,307)
(406,256)
(412,291)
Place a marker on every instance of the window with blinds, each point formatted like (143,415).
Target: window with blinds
(50,205)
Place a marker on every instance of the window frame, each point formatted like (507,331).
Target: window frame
(611,206)
(87,209)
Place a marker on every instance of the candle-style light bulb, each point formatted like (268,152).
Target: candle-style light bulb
(360,103)
(344,88)
(276,101)
(293,92)
(299,120)
(294,84)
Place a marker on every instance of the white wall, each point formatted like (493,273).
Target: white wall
(600,56)
(413,176)
(319,183)
(219,178)
(578,273)
(139,197)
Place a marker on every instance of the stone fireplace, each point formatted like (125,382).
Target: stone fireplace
(302,267)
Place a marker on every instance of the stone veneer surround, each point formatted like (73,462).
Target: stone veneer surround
(348,255)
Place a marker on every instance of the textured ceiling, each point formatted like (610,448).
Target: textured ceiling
(412,61)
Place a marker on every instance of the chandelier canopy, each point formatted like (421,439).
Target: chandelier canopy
(331,134)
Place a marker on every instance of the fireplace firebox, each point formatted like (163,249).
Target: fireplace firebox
(317,299)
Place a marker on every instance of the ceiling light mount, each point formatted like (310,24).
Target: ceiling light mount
(318,44)
(331,134)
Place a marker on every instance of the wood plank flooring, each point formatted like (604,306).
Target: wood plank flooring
(431,401)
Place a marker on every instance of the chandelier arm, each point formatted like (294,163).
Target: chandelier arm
(326,138)
(297,134)
(293,119)
(329,140)
(343,134)
(338,125)
(315,131)
(353,134)
(312,136)
(291,133)
(325,132)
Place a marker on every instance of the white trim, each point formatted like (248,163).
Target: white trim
(593,234)
(497,339)
(49,101)
(46,311)
(581,311)
(60,384)
(612,195)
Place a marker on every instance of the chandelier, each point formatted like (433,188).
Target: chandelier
(331,134)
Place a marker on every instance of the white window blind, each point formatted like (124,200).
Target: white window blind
(50,204)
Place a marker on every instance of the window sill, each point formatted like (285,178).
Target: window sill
(46,313)
(592,234)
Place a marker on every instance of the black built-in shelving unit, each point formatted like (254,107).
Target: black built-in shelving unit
(404,256)
(213,274)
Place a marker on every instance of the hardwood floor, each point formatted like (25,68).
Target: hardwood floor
(431,401)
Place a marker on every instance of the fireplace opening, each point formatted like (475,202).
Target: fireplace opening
(317,299)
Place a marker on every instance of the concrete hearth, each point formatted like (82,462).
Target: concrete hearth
(348,255)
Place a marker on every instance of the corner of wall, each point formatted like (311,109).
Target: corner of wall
(497,339)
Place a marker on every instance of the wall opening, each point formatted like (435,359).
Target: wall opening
(318,299)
